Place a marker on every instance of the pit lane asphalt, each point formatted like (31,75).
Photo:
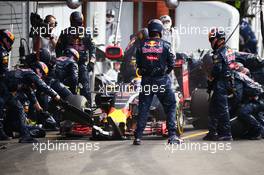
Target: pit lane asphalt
(153,157)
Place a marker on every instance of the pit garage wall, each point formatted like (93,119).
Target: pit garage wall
(14,17)
(194,25)
(95,19)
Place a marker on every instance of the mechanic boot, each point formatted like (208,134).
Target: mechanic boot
(262,133)
(210,137)
(225,138)
(175,140)
(259,137)
(137,142)
(255,134)
(3,135)
(27,140)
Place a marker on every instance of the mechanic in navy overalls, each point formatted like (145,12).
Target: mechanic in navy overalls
(155,61)
(6,41)
(80,39)
(221,83)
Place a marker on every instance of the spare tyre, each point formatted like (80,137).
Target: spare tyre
(78,102)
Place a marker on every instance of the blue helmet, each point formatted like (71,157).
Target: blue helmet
(155,25)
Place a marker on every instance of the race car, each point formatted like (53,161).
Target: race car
(121,106)
(118,109)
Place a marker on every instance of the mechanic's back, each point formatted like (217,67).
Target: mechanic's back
(154,57)
(66,69)
(155,61)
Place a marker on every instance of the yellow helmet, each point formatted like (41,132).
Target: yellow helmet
(10,38)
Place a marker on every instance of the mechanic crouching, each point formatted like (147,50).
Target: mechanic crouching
(252,105)
(41,116)
(155,61)
(49,77)
(66,70)
(25,81)
(221,82)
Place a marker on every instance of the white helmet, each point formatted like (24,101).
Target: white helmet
(166,20)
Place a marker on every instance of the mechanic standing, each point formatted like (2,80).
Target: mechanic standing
(221,82)
(247,40)
(80,39)
(6,41)
(111,27)
(128,66)
(155,61)
(169,33)
(49,39)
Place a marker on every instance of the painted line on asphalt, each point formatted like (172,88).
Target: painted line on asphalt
(195,135)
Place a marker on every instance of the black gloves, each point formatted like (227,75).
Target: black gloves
(90,66)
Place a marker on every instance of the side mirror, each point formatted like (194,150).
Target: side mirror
(114,53)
